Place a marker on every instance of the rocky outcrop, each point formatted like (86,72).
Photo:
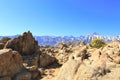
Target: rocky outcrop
(32,56)
(28,47)
(62,52)
(3,41)
(24,44)
(10,63)
(87,63)
(27,61)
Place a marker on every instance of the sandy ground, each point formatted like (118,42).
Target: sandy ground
(50,72)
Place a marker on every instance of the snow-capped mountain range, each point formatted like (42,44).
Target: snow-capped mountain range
(52,40)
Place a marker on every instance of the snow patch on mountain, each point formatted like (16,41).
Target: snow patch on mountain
(53,40)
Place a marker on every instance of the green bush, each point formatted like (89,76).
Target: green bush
(97,43)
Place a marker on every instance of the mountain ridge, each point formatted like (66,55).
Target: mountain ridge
(53,40)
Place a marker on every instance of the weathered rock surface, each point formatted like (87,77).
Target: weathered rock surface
(24,44)
(27,75)
(46,60)
(100,64)
(6,78)
(35,74)
(23,75)
(10,63)
(3,41)
(2,45)
(31,60)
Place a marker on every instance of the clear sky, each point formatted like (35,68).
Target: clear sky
(60,17)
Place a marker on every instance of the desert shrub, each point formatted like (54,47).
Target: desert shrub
(97,43)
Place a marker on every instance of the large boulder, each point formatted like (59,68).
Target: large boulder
(24,44)
(46,60)
(10,62)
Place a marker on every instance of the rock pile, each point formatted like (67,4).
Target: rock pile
(100,64)
(24,58)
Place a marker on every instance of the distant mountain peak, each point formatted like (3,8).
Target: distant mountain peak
(95,33)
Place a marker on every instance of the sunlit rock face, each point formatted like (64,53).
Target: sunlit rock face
(10,63)
(24,44)
(100,64)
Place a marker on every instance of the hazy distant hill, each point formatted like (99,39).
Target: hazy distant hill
(52,40)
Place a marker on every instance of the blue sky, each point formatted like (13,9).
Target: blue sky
(60,17)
